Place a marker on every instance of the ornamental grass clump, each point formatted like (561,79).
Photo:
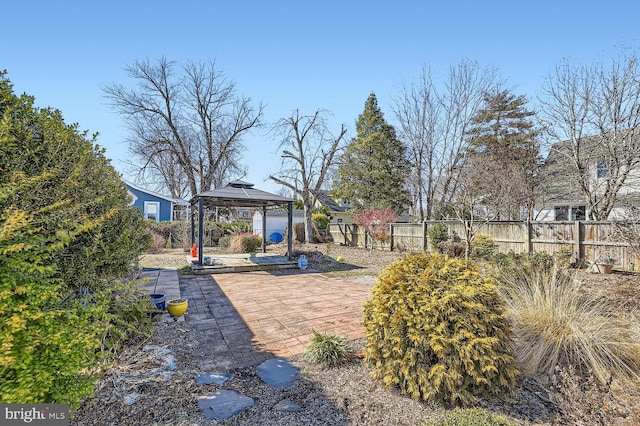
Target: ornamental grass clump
(437,330)
(558,323)
(245,243)
(328,349)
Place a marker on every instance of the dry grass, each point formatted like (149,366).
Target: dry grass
(557,323)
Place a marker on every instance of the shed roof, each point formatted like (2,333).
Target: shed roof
(239,194)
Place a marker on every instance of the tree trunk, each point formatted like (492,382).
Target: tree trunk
(308,222)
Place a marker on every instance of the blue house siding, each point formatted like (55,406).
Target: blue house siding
(152,205)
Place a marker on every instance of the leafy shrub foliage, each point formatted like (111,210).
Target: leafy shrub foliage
(66,231)
(320,221)
(484,247)
(468,417)
(438,234)
(328,349)
(245,243)
(236,228)
(437,329)
(558,324)
(45,348)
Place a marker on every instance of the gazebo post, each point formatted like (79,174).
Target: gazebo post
(264,229)
(200,229)
(290,233)
(193,224)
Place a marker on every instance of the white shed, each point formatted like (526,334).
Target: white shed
(276,223)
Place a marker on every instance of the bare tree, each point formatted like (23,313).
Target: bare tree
(434,124)
(194,120)
(475,186)
(595,112)
(462,98)
(308,151)
(417,110)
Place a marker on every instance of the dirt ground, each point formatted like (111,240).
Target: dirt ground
(140,390)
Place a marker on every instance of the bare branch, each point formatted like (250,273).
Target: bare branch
(193,121)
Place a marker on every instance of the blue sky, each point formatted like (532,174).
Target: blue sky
(305,55)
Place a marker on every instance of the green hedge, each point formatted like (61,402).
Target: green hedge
(67,233)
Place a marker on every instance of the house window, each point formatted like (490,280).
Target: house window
(152,210)
(339,220)
(562,212)
(579,213)
(603,169)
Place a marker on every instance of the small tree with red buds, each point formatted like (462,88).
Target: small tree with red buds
(376,223)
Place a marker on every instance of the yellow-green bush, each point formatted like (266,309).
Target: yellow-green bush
(320,220)
(483,247)
(437,330)
(45,349)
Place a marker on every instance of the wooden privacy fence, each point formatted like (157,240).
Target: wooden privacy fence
(586,241)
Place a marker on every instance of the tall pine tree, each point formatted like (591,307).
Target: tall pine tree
(373,169)
(505,153)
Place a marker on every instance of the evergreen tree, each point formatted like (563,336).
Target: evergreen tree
(374,167)
(504,155)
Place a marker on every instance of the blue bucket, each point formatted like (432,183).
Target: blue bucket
(160,300)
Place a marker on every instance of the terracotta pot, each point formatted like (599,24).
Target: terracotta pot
(604,268)
(177,307)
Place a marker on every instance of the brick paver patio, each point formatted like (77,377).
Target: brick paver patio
(242,319)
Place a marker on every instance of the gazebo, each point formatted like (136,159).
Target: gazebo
(238,194)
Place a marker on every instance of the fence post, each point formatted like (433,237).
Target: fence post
(577,243)
(424,236)
(391,230)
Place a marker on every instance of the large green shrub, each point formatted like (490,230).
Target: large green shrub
(103,233)
(437,329)
(66,231)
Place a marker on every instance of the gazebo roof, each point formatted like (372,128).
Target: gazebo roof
(239,194)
